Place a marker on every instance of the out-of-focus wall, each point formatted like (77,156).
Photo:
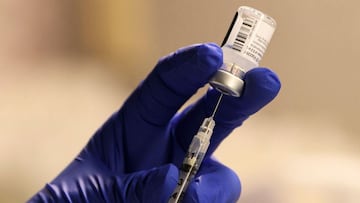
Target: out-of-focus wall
(66,65)
(29,29)
(122,33)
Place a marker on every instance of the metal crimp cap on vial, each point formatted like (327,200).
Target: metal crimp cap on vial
(228,80)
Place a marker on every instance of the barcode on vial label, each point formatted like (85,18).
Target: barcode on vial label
(243,34)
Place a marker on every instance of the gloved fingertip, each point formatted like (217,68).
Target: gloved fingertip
(173,81)
(170,174)
(215,183)
(261,86)
(159,183)
(210,56)
(262,78)
(190,68)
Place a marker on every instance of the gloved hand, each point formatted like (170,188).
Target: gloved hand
(134,156)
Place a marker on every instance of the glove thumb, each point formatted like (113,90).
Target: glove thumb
(154,185)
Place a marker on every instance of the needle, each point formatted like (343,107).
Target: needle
(217,105)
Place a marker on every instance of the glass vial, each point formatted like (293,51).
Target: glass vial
(243,47)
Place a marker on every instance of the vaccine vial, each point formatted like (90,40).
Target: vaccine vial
(243,47)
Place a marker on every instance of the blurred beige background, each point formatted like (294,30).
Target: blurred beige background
(65,66)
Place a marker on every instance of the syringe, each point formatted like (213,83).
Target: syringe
(194,156)
(243,47)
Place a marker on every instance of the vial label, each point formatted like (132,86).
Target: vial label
(258,42)
(244,33)
(251,34)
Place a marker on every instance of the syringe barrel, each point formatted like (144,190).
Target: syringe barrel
(192,161)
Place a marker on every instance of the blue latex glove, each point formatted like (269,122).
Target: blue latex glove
(134,156)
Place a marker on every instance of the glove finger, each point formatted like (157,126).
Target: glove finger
(174,79)
(142,121)
(214,183)
(261,86)
(155,185)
